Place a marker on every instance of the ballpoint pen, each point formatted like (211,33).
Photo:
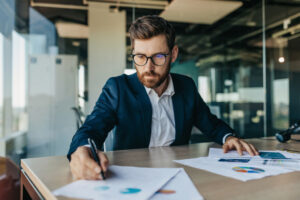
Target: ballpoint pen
(95,155)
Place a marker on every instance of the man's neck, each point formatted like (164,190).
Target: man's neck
(162,88)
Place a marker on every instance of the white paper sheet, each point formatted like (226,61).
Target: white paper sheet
(122,183)
(239,171)
(292,164)
(218,153)
(178,188)
(291,155)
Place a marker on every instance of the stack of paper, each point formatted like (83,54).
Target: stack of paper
(245,167)
(134,183)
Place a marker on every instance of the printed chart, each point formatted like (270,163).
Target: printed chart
(166,191)
(122,191)
(248,170)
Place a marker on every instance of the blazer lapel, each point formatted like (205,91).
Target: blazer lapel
(178,107)
(144,104)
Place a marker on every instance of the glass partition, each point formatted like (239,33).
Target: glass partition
(283,47)
(225,61)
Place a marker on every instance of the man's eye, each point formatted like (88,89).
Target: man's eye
(159,55)
(140,56)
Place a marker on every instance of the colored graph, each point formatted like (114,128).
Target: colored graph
(130,191)
(122,191)
(166,191)
(234,160)
(271,155)
(252,170)
(101,188)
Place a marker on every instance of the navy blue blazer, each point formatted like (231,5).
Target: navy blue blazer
(125,105)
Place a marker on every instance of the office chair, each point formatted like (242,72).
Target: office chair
(79,116)
(9,179)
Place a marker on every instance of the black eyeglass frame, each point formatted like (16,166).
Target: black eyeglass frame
(151,57)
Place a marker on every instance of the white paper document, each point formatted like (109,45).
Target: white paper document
(291,155)
(246,167)
(236,170)
(282,159)
(292,164)
(178,188)
(122,183)
(218,153)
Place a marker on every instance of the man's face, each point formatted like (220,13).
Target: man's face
(151,75)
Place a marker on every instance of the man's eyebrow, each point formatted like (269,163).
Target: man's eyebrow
(151,54)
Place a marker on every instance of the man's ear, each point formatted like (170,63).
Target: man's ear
(174,53)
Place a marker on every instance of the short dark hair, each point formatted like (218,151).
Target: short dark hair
(149,26)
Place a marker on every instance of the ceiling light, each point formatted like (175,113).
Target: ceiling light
(76,44)
(281,59)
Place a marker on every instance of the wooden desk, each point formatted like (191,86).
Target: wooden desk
(42,175)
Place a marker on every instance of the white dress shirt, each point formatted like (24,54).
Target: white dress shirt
(163,120)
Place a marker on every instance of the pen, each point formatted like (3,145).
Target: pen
(96,158)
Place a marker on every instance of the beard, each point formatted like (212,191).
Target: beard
(155,79)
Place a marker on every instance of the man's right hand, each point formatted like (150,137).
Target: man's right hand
(83,166)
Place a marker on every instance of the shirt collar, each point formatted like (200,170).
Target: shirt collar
(169,91)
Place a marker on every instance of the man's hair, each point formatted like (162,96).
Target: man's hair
(149,26)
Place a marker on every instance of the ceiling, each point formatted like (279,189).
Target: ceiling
(237,26)
(199,11)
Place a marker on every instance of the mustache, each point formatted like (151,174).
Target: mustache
(151,73)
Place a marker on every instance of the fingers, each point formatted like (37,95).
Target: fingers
(225,148)
(238,147)
(247,147)
(233,143)
(90,174)
(92,164)
(92,170)
(104,161)
(83,166)
(254,150)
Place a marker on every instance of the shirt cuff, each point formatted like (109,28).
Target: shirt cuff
(226,136)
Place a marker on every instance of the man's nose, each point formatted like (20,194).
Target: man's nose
(149,65)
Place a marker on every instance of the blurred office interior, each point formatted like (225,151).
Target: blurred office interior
(56,55)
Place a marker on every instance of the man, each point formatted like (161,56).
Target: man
(150,108)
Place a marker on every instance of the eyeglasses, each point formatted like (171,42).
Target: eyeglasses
(158,59)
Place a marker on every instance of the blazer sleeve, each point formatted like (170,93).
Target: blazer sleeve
(102,119)
(208,123)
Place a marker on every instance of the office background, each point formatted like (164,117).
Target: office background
(55,56)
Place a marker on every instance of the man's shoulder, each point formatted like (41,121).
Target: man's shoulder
(121,78)
(123,83)
(183,79)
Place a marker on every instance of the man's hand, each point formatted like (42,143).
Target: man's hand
(240,145)
(83,166)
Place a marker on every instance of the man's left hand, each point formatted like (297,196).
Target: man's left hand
(240,145)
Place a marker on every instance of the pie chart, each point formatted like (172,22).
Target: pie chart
(130,191)
(252,170)
(102,188)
